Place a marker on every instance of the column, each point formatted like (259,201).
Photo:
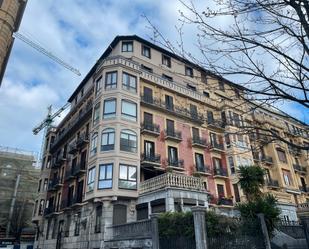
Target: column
(200,227)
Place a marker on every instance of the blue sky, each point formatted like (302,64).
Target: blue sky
(77,31)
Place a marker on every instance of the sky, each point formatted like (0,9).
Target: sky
(78,32)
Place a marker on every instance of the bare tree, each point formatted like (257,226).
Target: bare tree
(263,45)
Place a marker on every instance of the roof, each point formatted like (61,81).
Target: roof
(114,43)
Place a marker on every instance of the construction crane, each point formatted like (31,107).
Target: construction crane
(46,124)
(45,52)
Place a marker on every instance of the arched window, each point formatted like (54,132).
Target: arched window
(94,142)
(108,139)
(128,141)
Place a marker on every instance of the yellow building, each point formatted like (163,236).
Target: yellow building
(149,132)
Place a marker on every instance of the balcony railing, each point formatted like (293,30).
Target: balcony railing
(304,189)
(82,140)
(49,210)
(169,180)
(200,142)
(75,123)
(225,201)
(69,175)
(54,183)
(73,148)
(156,158)
(172,134)
(79,169)
(267,159)
(77,199)
(150,128)
(213,123)
(202,169)
(299,168)
(272,183)
(179,163)
(175,110)
(217,146)
(220,172)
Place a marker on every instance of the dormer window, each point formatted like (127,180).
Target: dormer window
(146,51)
(189,71)
(127,46)
(166,60)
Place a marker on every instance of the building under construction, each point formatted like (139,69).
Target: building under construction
(18,190)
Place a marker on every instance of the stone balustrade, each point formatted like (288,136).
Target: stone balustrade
(172,180)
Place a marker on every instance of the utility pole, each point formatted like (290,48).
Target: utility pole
(8,227)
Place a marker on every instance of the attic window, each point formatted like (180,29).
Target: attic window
(221,85)
(166,60)
(206,94)
(146,68)
(127,46)
(166,77)
(189,71)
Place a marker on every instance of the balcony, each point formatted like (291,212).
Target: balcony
(170,180)
(77,200)
(55,184)
(79,169)
(274,184)
(150,160)
(176,164)
(151,129)
(215,124)
(294,151)
(172,109)
(202,169)
(216,147)
(173,135)
(304,189)
(220,173)
(72,148)
(82,140)
(225,201)
(49,210)
(65,204)
(69,175)
(299,169)
(199,142)
(267,159)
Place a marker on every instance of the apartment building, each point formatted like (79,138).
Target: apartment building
(149,132)
(11,12)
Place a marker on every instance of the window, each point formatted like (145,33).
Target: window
(127,176)
(213,139)
(192,88)
(129,110)
(287,177)
(232,165)
(206,94)
(108,139)
(282,156)
(210,117)
(189,71)
(67,226)
(109,108)
(91,178)
(128,141)
(221,85)
(39,186)
(148,119)
(220,190)
(96,114)
(227,140)
(94,142)
(166,60)
(45,186)
(146,51)
(148,97)
(149,149)
(166,77)
(77,225)
(111,80)
(41,207)
(98,85)
(172,155)
(127,46)
(169,102)
(98,218)
(216,163)
(195,133)
(129,82)
(193,111)
(105,176)
(170,127)
(199,161)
